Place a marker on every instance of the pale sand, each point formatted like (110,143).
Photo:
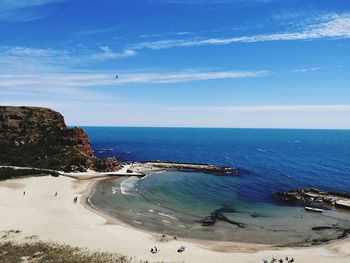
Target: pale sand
(58,219)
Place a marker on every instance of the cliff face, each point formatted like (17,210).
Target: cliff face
(39,137)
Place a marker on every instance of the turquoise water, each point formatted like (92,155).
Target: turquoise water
(243,208)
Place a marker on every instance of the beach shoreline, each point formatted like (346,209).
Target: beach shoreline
(57,218)
(210,244)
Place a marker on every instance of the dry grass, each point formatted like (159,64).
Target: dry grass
(44,252)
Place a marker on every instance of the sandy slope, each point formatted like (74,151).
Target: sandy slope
(40,213)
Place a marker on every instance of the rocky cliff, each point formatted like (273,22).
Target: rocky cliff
(39,137)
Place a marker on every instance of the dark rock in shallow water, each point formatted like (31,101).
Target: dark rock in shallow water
(318,228)
(217,215)
(255,214)
(346,233)
(338,233)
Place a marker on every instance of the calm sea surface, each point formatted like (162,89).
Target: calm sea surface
(270,160)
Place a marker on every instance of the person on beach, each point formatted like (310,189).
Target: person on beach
(155,249)
(152,251)
(175,236)
(280,261)
(265,260)
(24,193)
(56,194)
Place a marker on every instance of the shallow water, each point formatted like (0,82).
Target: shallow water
(175,203)
(270,161)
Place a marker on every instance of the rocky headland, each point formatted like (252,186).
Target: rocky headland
(39,137)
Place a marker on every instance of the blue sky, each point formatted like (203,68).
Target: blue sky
(195,63)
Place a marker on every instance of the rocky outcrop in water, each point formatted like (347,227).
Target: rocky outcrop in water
(312,196)
(39,137)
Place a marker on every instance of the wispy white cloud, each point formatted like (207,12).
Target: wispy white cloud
(29,60)
(306,69)
(332,26)
(188,76)
(89,87)
(23,10)
(181,33)
(261,108)
(108,53)
(95,79)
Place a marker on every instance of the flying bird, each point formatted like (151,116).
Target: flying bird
(116,77)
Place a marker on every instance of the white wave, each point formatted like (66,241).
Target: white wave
(127,185)
(260,150)
(137,222)
(89,198)
(140,214)
(150,210)
(182,226)
(143,178)
(166,215)
(114,190)
(166,221)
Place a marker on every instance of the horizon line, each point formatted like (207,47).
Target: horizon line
(204,127)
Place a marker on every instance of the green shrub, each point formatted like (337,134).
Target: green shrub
(9,173)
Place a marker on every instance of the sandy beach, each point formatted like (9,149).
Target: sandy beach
(41,214)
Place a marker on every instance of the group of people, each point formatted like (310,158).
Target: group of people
(75,199)
(164,236)
(154,250)
(274,260)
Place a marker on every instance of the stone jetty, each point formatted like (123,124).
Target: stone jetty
(177,166)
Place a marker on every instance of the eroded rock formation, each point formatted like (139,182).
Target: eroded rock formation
(39,137)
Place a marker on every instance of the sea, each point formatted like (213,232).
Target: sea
(240,208)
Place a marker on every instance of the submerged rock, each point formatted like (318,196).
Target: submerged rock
(217,215)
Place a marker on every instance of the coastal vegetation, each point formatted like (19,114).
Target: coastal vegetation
(10,172)
(44,155)
(40,252)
